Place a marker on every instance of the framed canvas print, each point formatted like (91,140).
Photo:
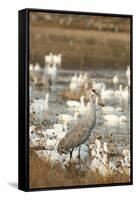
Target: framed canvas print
(75,99)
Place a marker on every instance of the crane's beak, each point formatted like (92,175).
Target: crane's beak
(97,93)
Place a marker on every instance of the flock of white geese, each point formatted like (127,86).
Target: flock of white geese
(66,140)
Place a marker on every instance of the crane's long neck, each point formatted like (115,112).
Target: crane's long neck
(97,101)
(91,101)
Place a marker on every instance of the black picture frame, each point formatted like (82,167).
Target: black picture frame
(23,136)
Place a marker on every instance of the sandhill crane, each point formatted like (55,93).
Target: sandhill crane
(81,130)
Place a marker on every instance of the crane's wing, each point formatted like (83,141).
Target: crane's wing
(77,134)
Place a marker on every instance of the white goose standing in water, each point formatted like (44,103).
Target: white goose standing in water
(115,80)
(73,83)
(74,103)
(124,100)
(80,131)
(40,107)
(118,92)
(106,93)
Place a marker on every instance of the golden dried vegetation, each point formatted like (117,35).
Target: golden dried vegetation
(44,175)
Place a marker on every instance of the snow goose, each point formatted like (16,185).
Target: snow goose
(68,118)
(37,67)
(31,67)
(115,119)
(48,59)
(85,77)
(51,70)
(57,132)
(73,83)
(49,133)
(54,72)
(58,127)
(118,92)
(80,80)
(106,93)
(74,78)
(111,110)
(119,109)
(125,94)
(123,118)
(57,60)
(40,107)
(108,109)
(37,73)
(99,103)
(111,118)
(51,143)
(98,86)
(32,71)
(73,103)
(115,80)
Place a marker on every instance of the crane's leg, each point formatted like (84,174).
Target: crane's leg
(71,155)
(79,157)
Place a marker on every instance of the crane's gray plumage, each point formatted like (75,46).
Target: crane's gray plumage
(81,131)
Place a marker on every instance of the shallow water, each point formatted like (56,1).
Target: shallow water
(120,131)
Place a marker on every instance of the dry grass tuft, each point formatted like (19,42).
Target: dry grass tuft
(43,174)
